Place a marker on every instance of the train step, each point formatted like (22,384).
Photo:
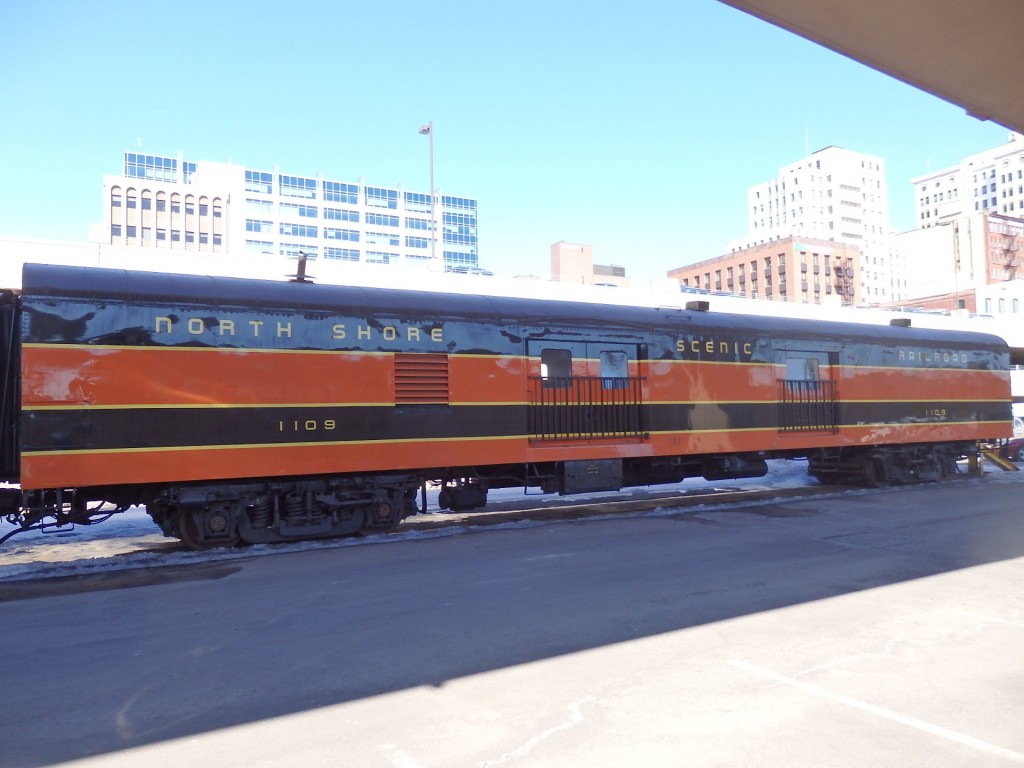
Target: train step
(999,461)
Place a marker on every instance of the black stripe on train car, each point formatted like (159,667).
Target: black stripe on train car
(121,428)
(923,412)
(117,428)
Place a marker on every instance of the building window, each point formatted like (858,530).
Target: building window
(149,167)
(458,202)
(299,230)
(297,186)
(339,192)
(258,206)
(302,211)
(417,201)
(115,230)
(253,225)
(257,181)
(131,231)
(382,219)
(341,214)
(342,254)
(292,250)
(259,246)
(381,238)
(379,197)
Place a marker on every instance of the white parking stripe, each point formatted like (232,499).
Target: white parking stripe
(934,730)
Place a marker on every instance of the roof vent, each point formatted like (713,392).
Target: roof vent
(300,275)
(900,322)
(698,306)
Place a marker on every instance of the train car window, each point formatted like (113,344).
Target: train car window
(802,369)
(556,367)
(614,369)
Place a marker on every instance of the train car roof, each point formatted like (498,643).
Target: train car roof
(117,285)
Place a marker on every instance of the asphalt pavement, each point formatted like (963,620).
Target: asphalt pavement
(877,628)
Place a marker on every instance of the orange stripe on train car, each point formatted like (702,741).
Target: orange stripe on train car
(50,469)
(109,376)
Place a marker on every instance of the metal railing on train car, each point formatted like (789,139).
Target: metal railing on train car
(585,408)
(808,405)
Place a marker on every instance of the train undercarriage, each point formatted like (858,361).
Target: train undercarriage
(228,514)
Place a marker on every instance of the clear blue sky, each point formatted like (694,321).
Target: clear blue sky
(634,127)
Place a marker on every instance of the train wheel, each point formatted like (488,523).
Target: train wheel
(192,538)
(875,471)
(931,470)
(382,516)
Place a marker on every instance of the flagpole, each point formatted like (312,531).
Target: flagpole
(428,131)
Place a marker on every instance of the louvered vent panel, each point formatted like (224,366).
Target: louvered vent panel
(421,379)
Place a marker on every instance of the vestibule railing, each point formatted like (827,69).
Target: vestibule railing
(808,406)
(585,408)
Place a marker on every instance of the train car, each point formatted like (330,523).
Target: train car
(256,411)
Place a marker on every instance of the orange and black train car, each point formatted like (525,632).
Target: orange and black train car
(247,410)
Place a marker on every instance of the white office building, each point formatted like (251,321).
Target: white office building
(169,203)
(986,182)
(834,195)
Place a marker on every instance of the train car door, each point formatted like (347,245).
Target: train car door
(584,390)
(808,394)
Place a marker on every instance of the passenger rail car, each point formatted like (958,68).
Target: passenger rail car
(254,411)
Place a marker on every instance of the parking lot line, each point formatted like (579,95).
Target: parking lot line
(912,722)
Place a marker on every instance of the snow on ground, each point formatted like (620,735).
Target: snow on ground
(131,540)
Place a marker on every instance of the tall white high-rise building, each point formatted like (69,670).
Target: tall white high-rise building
(170,203)
(991,181)
(835,195)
